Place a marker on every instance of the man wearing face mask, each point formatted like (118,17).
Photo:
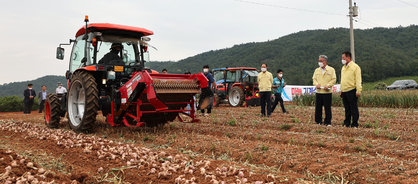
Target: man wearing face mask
(350,89)
(207,92)
(29,95)
(265,82)
(279,84)
(323,78)
(60,89)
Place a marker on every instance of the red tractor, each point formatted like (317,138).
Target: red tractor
(117,83)
(237,85)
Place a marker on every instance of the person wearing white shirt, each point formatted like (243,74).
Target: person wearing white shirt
(60,89)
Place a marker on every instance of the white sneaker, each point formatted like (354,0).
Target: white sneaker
(206,114)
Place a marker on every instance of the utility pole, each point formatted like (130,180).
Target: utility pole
(353,12)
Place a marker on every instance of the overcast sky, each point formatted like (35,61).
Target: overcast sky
(31,30)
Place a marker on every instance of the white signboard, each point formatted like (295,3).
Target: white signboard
(291,91)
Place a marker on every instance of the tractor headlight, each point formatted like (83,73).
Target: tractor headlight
(103,81)
(111,75)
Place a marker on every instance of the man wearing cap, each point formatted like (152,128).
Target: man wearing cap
(112,57)
(29,95)
(323,78)
(60,89)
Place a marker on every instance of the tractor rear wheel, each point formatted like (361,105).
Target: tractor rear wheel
(83,101)
(236,96)
(52,111)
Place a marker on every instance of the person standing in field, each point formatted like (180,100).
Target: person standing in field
(41,98)
(207,93)
(279,84)
(350,89)
(29,95)
(323,78)
(265,81)
(60,89)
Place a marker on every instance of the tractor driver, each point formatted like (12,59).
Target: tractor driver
(112,57)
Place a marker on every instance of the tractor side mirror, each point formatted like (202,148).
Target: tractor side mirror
(60,53)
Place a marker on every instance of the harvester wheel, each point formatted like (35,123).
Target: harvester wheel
(53,111)
(83,101)
(236,96)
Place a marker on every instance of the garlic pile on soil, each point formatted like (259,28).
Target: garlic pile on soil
(14,163)
(41,171)
(241,174)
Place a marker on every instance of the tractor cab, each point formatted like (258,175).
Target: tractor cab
(236,85)
(117,49)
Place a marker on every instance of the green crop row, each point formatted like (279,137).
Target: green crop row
(374,98)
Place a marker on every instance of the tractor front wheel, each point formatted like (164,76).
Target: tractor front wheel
(83,101)
(236,97)
(52,111)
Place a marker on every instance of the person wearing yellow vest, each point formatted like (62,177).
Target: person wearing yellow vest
(323,78)
(265,81)
(350,89)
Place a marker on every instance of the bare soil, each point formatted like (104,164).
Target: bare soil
(232,145)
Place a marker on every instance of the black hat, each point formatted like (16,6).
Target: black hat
(114,45)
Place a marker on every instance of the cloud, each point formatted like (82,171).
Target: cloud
(31,30)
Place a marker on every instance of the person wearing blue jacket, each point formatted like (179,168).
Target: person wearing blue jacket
(279,84)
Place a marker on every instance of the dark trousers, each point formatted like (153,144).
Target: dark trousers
(351,108)
(278,98)
(209,107)
(206,93)
(323,100)
(265,99)
(28,107)
(41,106)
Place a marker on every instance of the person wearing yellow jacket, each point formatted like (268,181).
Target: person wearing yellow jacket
(323,78)
(350,89)
(265,82)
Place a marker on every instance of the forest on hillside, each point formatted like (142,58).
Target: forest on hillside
(380,52)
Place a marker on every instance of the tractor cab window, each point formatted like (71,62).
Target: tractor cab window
(231,76)
(77,54)
(218,75)
(115,53)
(250,76)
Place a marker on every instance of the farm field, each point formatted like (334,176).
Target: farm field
(232,145)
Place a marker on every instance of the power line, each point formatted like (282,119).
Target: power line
(361,20)
(409,4)
(290,8)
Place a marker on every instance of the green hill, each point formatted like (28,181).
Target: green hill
(16,88)
(381,53)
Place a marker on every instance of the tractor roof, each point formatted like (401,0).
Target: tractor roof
(234,68)
(107,26)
